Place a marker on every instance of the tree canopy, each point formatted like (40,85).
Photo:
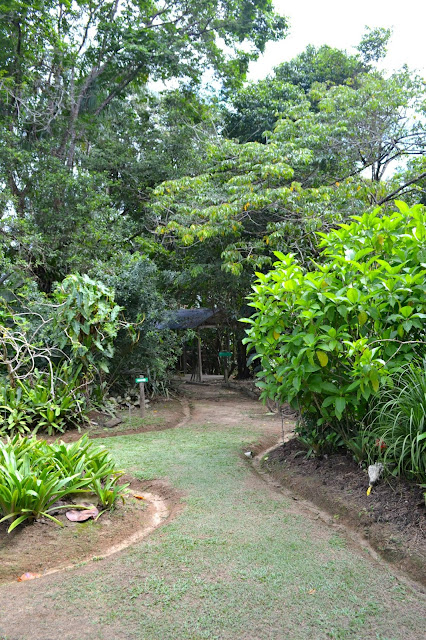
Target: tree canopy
(321,164)
(81,133)
(256,107)
(181,194)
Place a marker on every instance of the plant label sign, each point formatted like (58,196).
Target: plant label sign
(141,382)
(225,354)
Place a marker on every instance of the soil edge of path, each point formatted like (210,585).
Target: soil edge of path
(406,559)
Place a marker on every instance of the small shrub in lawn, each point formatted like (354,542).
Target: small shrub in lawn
(35,475)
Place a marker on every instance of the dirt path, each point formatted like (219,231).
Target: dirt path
(243,560)
(230,409)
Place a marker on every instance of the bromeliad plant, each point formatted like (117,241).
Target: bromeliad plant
(329,339)
(94,463)
(35,475)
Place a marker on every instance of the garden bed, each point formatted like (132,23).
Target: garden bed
(392,518)
(42,546)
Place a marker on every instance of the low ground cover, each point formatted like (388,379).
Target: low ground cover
(38,478)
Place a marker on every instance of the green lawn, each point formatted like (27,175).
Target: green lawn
(236,563)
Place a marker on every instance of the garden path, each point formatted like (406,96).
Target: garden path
(243,560)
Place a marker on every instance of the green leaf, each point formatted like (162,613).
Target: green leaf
(340,404)
(354,385)
(280,255)
(353,295)
(328,401)
(362,318)
(296,383)
(289,285)
(406,311)
(329,387)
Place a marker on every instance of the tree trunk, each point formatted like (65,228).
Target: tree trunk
(243,372)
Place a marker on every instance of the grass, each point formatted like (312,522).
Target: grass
(131,421)
(237,563)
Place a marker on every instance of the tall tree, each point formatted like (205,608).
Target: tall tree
(61,59)
(77,124)
(254,110)
(323,64)
(324,162)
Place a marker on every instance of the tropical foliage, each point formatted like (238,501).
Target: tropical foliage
(331,337)
(47,401)
(53,355)
(326,160)
(35,476)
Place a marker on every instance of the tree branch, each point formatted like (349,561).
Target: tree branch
(396,191)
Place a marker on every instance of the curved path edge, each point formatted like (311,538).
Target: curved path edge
(316,512)
(159,505)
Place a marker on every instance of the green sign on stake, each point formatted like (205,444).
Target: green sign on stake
(225,354)
(141,380)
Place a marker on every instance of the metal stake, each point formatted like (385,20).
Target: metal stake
(142,398)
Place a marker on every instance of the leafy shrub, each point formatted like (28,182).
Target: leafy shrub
(329,339)
(35,475)
(397,435)
(154,352)
(54,352)
(86,320)
(47,401)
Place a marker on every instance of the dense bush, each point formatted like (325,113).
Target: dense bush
(53,350)
(154,352)
(330,339)
(35,475)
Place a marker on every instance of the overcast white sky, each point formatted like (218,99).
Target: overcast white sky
(341,24)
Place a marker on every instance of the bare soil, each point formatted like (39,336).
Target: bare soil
(392,518)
